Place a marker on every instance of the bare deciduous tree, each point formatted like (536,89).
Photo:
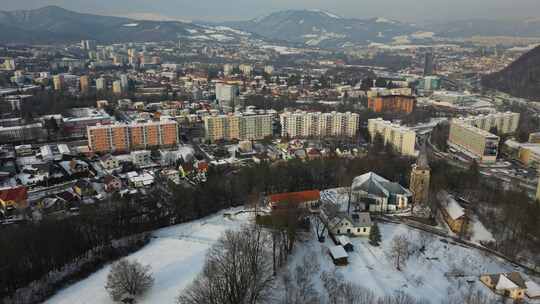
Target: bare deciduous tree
(354,294)
(400,251)
(319,226)
(128,279)
(238,270)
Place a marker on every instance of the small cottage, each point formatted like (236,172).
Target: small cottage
(339,256)
(455,216)
(356,224)
(510,285)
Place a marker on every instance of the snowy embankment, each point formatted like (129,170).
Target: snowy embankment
(176,255)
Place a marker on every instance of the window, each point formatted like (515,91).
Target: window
(338,231)
(358,230)
(348,230)
(365,229)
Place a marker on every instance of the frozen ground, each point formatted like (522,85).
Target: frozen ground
(432,275)
(176,256)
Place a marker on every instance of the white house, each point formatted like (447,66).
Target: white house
(357,224)
(109,162)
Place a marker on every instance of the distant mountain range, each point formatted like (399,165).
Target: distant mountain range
(323,29)
(521,78)
(316,28)
(54,24)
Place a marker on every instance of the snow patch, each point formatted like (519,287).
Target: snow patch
(235,31)
(131,25)
(221,37)
(423,35)
(480,233)
(325,13)
(384,20)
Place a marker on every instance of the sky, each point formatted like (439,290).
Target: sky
(220,10)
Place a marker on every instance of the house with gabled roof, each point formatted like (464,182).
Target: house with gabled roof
(16,197)
(511,285)
(305,199)
(356,224)
(455,215)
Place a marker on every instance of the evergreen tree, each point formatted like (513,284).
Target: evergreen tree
(375,235)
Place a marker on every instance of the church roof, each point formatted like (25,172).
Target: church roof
(377,185)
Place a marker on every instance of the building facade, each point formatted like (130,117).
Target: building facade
(504,122)
(135,136)
(238,126)
(302,124)
(401,138)
(226,94)
(476,142)
(392,103)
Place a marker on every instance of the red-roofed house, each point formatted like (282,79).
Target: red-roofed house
(308,199)
(202,167)
(14,197)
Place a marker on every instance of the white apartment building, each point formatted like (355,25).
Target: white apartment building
(401,138)
(312,124)
(237,126)
(478,143)
(228,69)
(505,122)
(226,93)
(101,84)
(246,69)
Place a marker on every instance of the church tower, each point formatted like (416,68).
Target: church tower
(420,175)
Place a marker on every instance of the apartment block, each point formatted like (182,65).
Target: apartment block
(301,124)
(504,122)
(135,136)
(237,126)
(401,138)
(392,103)
(478,143)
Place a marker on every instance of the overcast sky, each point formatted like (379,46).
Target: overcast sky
(406,10)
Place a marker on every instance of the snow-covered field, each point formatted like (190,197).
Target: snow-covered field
(176,256)
(430,275)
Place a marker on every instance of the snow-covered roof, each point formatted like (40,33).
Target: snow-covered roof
(505,283)
(374,184)
(338,252)
(343,240)
(533,289)
(454,209)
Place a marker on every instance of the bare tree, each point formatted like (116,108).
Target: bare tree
(473,296)
(331,282)
(400,251)
(238,270)
(298,284)
(319,226)
(400,298)
(128,279)
(354,294)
